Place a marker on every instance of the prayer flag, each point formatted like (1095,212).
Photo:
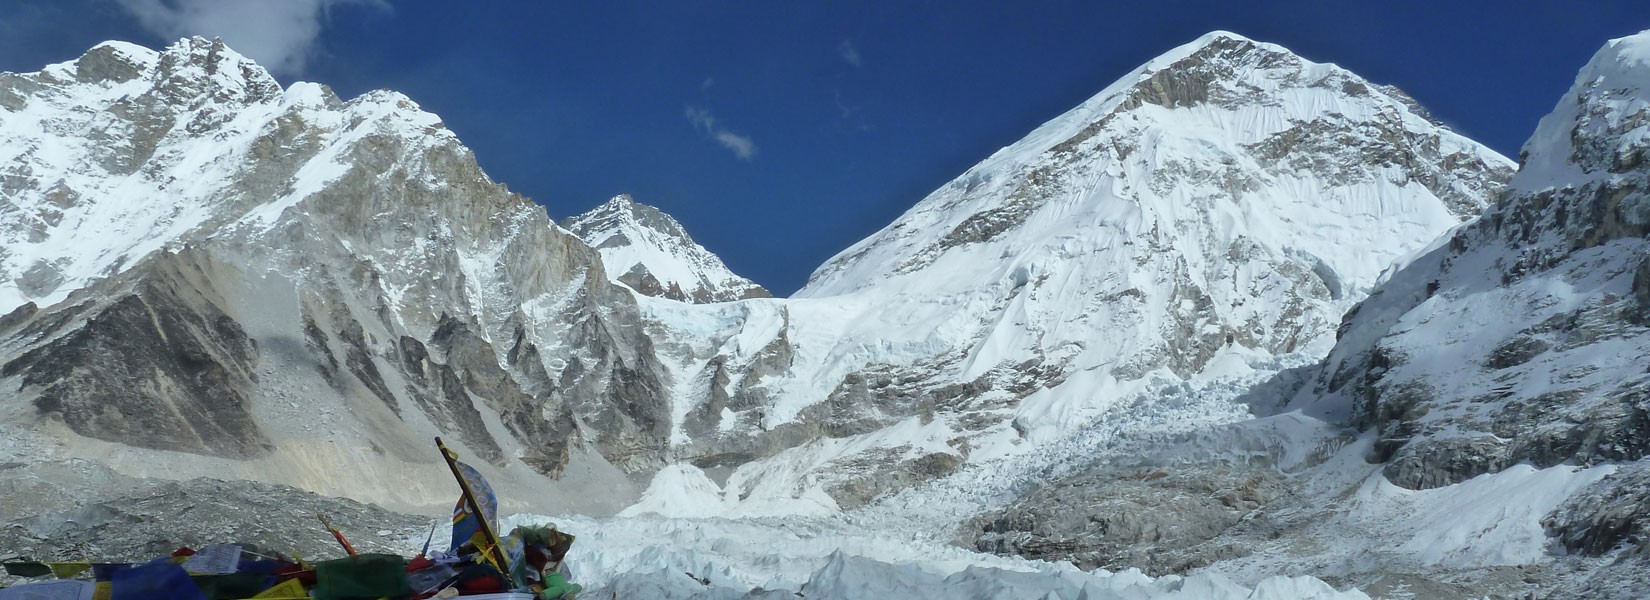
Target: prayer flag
(214,559)
(291,589)
(49,590)
(363,575)
(159,580)
(475,517)
(466,524)
(27,569)
(66,570)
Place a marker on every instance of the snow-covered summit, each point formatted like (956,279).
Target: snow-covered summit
(647,250)
(126,150)
(1221,112)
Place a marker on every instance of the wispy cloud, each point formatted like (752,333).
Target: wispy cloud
(741,146)
(842,107)
(849,52)
(279,34)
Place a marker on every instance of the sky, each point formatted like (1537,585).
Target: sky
(780,133)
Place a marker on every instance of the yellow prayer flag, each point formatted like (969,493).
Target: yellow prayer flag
(103,591)
(66,570)
(286,590)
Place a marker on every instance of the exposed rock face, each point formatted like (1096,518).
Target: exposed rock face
(649,251)
(261,271)
(161,367)
(1608,517)
(1158,520)
(158,517)
(1520,339)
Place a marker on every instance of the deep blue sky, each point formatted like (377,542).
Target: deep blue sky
(855,110)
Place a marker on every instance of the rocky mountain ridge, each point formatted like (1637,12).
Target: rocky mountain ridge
(298,289)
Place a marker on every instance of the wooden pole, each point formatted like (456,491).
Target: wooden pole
(497,550)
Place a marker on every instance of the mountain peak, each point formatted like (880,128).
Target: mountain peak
(619,202)
(130,150)
(1219,34)
(652,253)
(1599,127)
(1218,41)
(1207,124)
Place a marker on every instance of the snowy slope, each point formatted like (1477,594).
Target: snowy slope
(1495,390)
(1222,205)
(91,146)
(649,251)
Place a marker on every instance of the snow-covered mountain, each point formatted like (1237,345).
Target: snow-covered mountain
(1215,208)
(651,253)
(1483,412)
(1522,337)
(1221,205)
(206,273)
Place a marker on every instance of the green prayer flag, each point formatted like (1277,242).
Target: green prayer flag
(27,569)
(369,575)
(233,585)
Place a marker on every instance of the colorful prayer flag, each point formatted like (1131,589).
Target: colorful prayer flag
(291,589)
(466,524)
(66,570)
(159,580)
(364,575)
(49,590)
(475,517)
(27,569)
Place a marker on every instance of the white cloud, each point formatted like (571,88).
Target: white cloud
(849,52)
(279,34)
(742,146)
